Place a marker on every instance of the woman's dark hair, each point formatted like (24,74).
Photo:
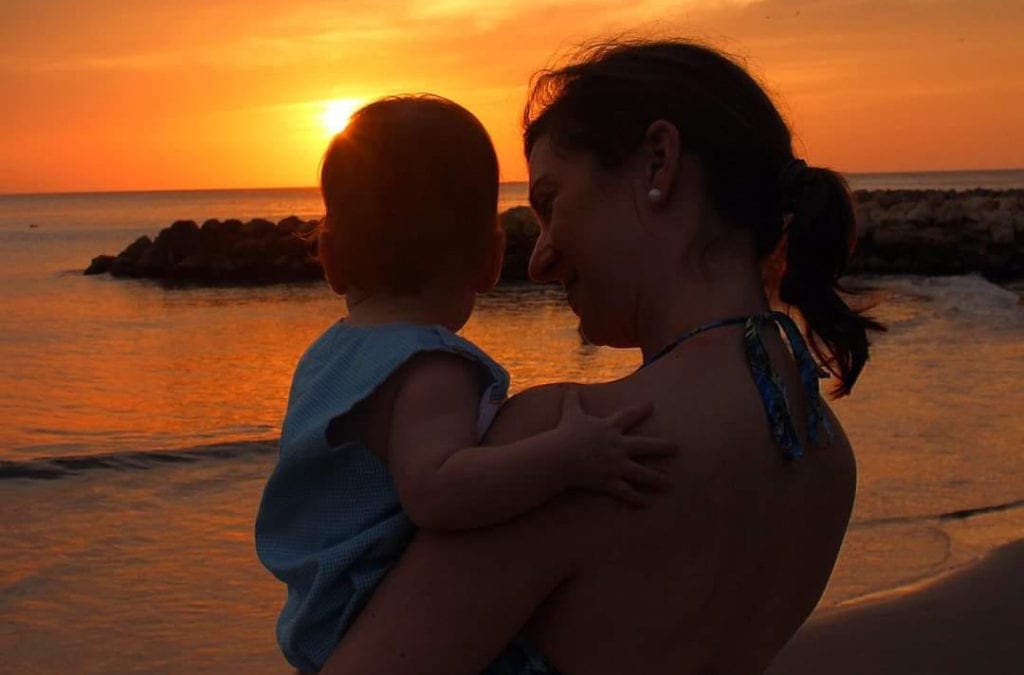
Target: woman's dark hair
(603,102)
(411,191)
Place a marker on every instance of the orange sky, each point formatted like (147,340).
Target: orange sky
(147,94)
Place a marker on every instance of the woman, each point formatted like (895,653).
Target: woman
(664,180)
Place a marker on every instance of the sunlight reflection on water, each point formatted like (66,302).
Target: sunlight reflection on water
(132,570)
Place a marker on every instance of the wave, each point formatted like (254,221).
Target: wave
(959,514)
(968,295)
(51,468)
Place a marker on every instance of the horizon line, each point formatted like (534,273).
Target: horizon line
(509,182)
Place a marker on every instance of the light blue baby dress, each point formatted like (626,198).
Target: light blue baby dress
(330,524)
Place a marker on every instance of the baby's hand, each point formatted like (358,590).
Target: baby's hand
(605,458)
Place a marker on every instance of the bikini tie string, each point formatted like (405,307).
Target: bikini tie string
(769,384)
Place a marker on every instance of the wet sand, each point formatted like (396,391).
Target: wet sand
(969,621)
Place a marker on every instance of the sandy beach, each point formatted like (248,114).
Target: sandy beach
(968,621)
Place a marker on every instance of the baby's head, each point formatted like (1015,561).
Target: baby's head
(411,192)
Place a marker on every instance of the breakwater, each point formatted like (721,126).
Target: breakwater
(934,232)
(929,232)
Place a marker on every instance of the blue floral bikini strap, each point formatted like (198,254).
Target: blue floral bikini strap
(769,385)
(772,388)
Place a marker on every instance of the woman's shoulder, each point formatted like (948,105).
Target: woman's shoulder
(529,412)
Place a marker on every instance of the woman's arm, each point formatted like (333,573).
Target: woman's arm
(455,600)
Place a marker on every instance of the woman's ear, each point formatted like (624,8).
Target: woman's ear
(661,161)
(491,272)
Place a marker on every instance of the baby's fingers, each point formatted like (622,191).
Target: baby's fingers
(646,477)
(627,418)
(648,446)
(627,493)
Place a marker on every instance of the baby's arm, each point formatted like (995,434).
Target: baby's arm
(446,481)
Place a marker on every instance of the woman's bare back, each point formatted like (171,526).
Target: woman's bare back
(717,575)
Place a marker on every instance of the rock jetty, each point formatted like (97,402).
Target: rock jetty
(229,251)
(927,232)
(521,231)
(935,232)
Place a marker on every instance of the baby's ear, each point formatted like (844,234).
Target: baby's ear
(490,272)
(336,276)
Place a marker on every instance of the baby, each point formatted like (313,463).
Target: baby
(388,406)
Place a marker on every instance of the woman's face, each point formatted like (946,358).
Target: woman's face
(589,240)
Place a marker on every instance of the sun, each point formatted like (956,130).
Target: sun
(338,112)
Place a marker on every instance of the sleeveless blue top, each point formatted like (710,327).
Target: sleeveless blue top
(330,524)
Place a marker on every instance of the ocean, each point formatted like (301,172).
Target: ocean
(139,426)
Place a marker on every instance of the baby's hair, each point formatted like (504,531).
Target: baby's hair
(411,192)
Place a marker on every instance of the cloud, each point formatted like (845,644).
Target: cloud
(290,34)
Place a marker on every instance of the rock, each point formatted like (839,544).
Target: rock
(290,246)
(178,241)
(305,269)
(921,212)
(219,236)
(198,266)
(521,231)
(100,264)
(893,234)
(951,211)
(520,221)
(259,228)
(290,225)
(867,217)
(1002,233)
(223,269)
(136,248)
(249,250)
(122,267)
(154,263)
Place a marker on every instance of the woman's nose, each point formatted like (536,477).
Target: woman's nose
(543,259)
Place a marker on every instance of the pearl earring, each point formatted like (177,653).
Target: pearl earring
(654,195)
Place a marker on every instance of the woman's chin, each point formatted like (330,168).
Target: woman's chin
(591,335)
(584,340)
(598,337)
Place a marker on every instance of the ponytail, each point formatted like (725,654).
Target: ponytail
(821,235)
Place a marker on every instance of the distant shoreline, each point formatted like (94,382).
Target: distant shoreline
(897,179)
